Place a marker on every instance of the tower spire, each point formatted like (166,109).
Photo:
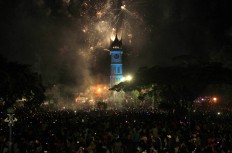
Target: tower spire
(116,44)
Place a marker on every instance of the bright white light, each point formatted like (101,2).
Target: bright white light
(219,113)
(123,7)
(128,78)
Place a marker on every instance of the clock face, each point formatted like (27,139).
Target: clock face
(116,56)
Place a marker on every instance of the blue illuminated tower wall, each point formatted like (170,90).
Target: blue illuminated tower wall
(116,62)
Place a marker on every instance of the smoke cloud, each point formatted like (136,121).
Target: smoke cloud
(66,41)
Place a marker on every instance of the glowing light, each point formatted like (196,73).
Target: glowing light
(113,34)
(99,90)
(127,78)
(215,99)
(123,7)
(219,113)
(85,29)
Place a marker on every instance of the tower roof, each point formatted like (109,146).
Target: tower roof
(116,44)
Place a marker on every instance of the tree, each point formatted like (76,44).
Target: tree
(178,86)
(181,85)
(19,82)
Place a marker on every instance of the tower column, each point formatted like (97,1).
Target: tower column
(116,62)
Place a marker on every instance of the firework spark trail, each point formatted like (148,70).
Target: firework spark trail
(103,19)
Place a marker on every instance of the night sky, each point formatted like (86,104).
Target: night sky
(66,40)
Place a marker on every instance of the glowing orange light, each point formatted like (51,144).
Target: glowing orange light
(215,99)
(99,90)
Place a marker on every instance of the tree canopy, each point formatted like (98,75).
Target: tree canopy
(179,85)
(18,82)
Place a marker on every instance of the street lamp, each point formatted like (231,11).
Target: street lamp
(10,120)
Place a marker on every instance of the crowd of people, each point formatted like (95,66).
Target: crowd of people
(113,131)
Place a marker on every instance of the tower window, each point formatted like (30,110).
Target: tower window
(119,70)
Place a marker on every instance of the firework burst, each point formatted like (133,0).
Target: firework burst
(102,19)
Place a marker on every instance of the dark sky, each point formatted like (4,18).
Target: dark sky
(64,40)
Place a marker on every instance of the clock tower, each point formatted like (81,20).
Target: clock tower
(116,62)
